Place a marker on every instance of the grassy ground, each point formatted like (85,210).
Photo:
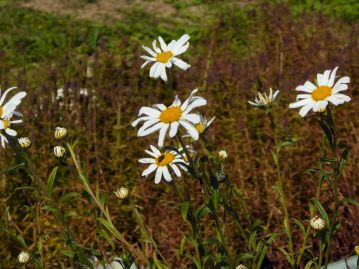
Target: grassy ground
(237,48)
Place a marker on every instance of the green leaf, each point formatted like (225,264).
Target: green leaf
(70,214)
(203,210)
(286,255)
(12,168)
(215,198)
(105,235)
(308,265)
(183,244)
(300,225)
(68,196)
(350,201)
(51,179)
(49,208)
(185,207)
(322,211)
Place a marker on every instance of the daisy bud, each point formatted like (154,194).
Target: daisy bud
(60,132)
(241,266)
(121,193)
(24,142)
(317,223)
(222,155)
(59,151)
(357,250)
(23,257)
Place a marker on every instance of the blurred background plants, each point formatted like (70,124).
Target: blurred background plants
(91,49)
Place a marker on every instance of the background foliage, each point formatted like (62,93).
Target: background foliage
(237,48)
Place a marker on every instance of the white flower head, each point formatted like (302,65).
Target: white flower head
(263,100)
(24,142)
(165,56)
(23,257)
(7,109)
(59,151)
(121,193)
(317,223)
(60,132)
(318,96)
(161,161)
(161,118)
(5,125)
(222,154)
(202,125)
(241,266)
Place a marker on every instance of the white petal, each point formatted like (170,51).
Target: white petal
(175,169)
(190,129)
(176,102)
(149,111)
(134,123)
(181,64)
(148,124)
(151,130)
(300,103)
(303,96)
(11,132)
(160,106)
(180,42)
(4,95)
(155,150)
(171,44)
(144,64)
(193,118)
(149,170)
(197,103)
(157,50)
(332,77)
(153,54)
(158,174)
(323,79)
(163,44)
(305,109)
(146,160)
(166,174)
(335,101)
(174,128)
(161,137)
(180,50)
(307,87)
(154,68)
(161,68)
(340,87)
(343,97)
(164,75)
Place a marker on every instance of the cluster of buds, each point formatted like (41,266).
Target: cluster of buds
(23,257)
(317,223)
(223,155)
(121,193)
(59,134)
(24,142)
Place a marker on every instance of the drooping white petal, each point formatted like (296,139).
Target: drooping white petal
(10,132)
(300,103)
(175,169)
(181,64)
(190,129)
(151,52)
(305,109)
(163,74)
(173,129)
(4,95)
(193,118)
(151,130)
(148,124)
(154,68)
(166,174)
(197,103)
(149,111)
(135,122)
(162,135)
(158,174)
(146,160)
(161,68)
(149,170)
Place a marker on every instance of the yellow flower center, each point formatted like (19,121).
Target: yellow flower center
(163,57)
(170,114)
(321,93)
(200,127)
(6,124)
(165,159)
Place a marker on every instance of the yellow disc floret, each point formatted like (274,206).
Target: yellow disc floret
(200,127)
(165,159)
(321,93)
(171,114)
(163,57)
(6,124)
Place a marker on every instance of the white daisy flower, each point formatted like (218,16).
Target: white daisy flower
(203,124)
(166,56)
(161,161)
(8,108)
(23,257)
(318,96)
(263,100)
(5,125)
(160,117)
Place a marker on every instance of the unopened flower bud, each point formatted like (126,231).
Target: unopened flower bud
(60,132)
(59,151)
(24,142)
(222,155)
(241,266)
(357,250)
(121,193)
(317,223)
(23,257)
